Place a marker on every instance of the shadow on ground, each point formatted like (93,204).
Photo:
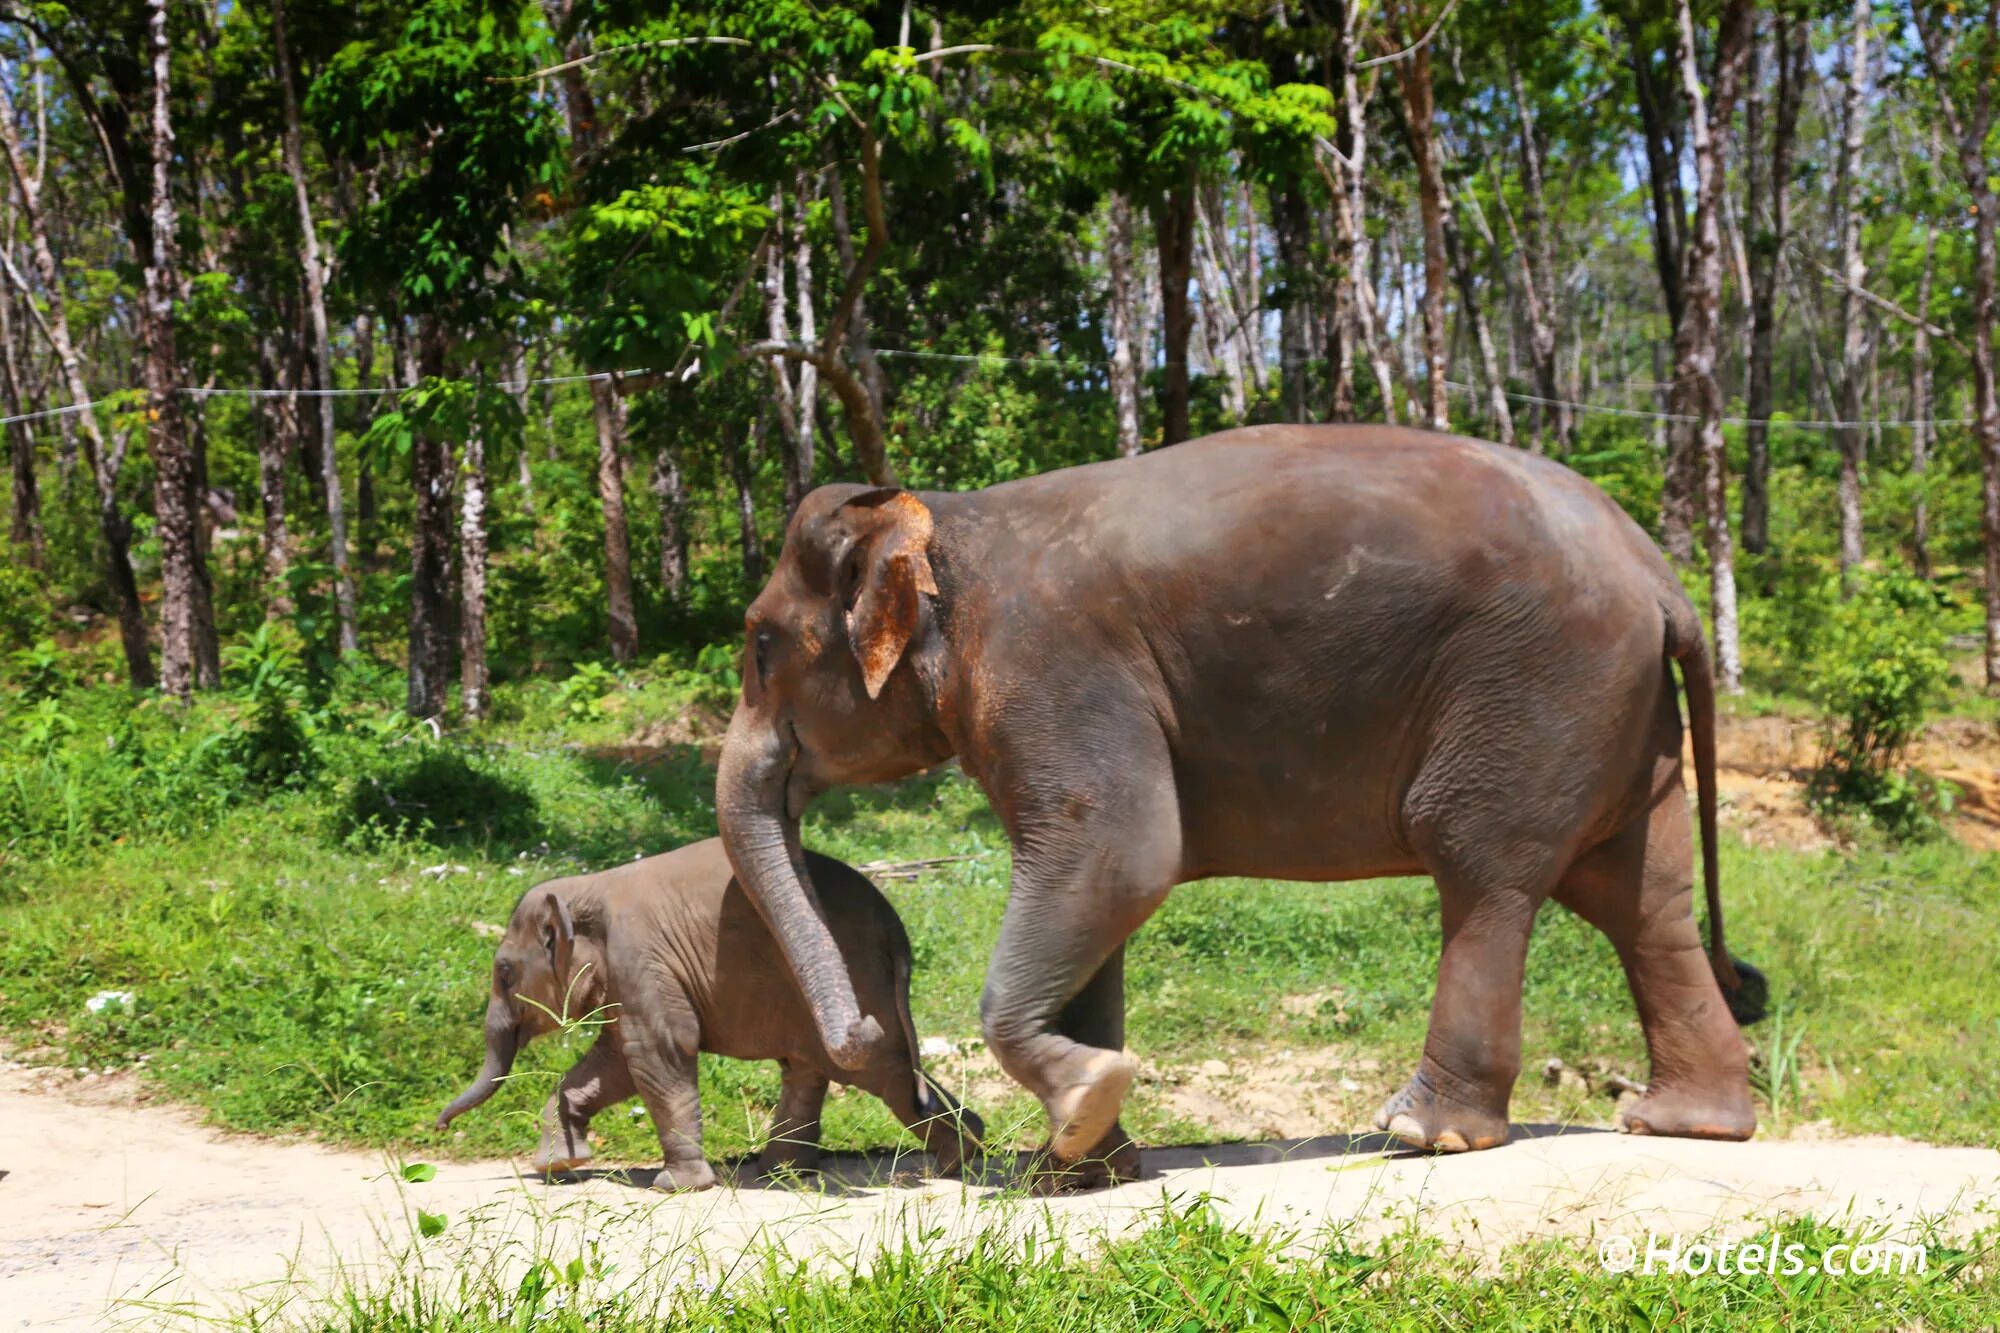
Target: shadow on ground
(848,1174)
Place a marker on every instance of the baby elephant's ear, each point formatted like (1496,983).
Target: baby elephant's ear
(558,932)
(891,571)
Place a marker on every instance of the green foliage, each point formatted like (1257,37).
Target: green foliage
(1880,667)
(272,744)
(1187,1267)
(24,606)
(41,669)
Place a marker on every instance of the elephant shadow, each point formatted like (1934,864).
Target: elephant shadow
(858,1174)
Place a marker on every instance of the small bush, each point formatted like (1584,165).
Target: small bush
(24,610)
(444,796)
(1880,667)
(272,743)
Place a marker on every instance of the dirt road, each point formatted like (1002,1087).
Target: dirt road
(116,1215)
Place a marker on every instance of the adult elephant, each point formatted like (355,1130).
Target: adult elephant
(1300,652)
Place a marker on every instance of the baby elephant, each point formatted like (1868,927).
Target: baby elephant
(673,953)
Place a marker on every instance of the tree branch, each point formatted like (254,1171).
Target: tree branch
(659,43)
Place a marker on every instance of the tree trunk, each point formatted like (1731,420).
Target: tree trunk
(364,472)
(1356,295)
(1541,298)
(1290,222)
(1986,410)
(1766,258)
(1697,341)
(430,547)
(671,489)
(187,620)
(739,459)
(605,402)
(1854,340)
(1217,315)
(1125,367)
(517,374)
(1489,360)
(273,448)
(104,463)
(473,692)
(609,410)
(1173,223)
(848,328)
(1920,408)
(1970,128)
(778,327)
(1662,136)
(24,515)
(1413,76)
(808,382)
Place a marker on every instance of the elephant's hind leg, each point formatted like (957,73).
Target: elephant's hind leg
(794,1143)
(598,1080)
(1457,1099)
(1638,889)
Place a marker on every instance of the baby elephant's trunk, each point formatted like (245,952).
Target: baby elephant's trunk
(502,1040)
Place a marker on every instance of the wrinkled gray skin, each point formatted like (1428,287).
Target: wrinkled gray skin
(673,953)
(1296,652)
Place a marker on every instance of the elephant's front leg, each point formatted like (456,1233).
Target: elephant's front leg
(663,1054)
(598,1080)
(1089,868)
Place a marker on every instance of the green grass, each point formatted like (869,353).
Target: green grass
(1185,1269)
(307,960)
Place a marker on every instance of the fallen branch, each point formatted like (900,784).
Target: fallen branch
(912,869)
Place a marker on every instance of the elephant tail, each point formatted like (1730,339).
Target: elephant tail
(932,1100)
(1743,986)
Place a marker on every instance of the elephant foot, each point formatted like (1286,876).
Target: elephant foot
(1115,1160)
(684,1177)
(1083,1112)
(788,1158)
(1691,1114)
(1422,1117)
(560,1152)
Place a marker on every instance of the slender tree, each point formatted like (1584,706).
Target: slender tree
(1125,361)
(1697,387)
(311,264)
(189,656)
(1961,46)
(1409,35)
(1856,346)
(105,461)
(1769,224)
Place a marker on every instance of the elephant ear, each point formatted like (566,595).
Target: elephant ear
(558,935)
(888,572)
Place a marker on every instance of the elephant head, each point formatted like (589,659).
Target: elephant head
(535,980)
(841,662)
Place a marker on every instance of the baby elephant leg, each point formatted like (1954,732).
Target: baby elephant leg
(794,1141)
(664,1067)
(598,1080)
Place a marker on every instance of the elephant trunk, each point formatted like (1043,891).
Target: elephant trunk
(761,833)
(503,1039)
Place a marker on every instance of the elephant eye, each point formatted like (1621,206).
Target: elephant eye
(761,653)
(850,576)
